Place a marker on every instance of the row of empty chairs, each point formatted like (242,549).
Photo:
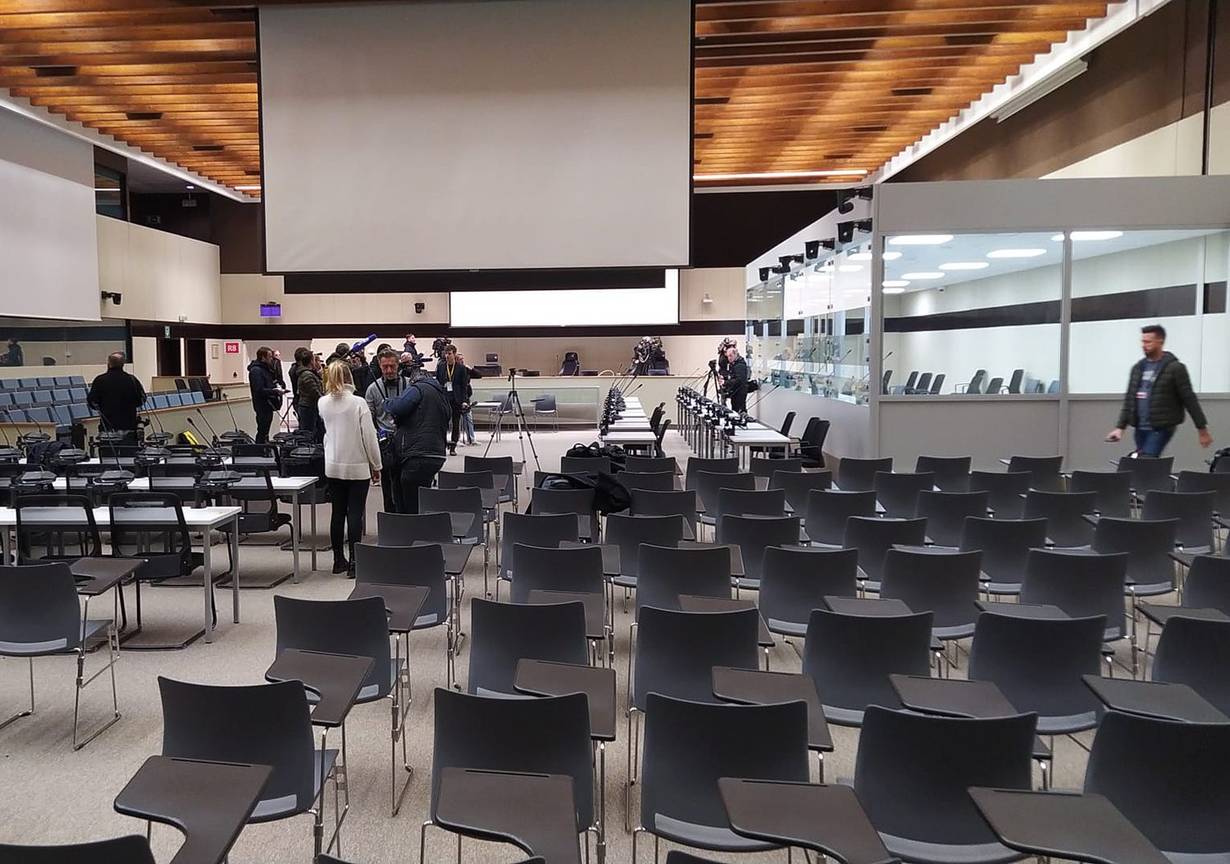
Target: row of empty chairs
(42,382)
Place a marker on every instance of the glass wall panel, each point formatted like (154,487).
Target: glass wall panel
(1215,320)
(1123,280)
(972,313)
(35,342)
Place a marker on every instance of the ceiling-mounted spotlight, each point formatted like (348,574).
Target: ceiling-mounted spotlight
(783,267)
(846,200)
(764,273)
(845,230)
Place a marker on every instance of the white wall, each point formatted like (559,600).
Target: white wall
(144,359)
(162,276)
(243,293)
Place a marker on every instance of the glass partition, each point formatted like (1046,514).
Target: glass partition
(35,342)
(973,314)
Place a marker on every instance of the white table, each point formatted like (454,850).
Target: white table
(198,519)
(757,434)
(631,439)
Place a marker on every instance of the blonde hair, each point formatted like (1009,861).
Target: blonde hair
(337,376)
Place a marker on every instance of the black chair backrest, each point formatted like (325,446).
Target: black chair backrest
(655,481)
(798,485)
(405,529)
(1149,473)
(502,465)
(924,383)
(464,479)
(1195,652)
(787,422)
(664,573)
(1194,510)
(690,745)
(463,500)
(811,442)
(828,510)
(675,652)
(1207,585)
(629,532)
(913,772)
(713,466)
(1037,663)
(975,383)
(676,502)
(504,633)
(1064,513)
(556,568)
(585,464)
(795,580)
(37,541)
(549,529)
(951,472)
(946,513)
(359,627)
(139,528)
(754,534)
(910,380)
(859,475)
(1148,543)
(547,735)
(743,502)
(406,565)
(133,849)
(651,464)
(873,537)
(1167,778)
(937,384)
(1082,584)
(942,583)
(1217,482)
(577,501)
(38,604)
(708,485)
(1014,383)
(1007,491)
(1004,544)
(763,466)
(898,493)
(1112,488)
(1043,470)
(262,724)
(851,656)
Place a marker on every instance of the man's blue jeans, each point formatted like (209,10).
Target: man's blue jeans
(1151,442)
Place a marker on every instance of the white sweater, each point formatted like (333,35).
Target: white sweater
(351,449)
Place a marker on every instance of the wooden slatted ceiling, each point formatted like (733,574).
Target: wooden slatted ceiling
(790,86)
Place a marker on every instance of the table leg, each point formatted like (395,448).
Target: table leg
(294,537)
(207,581)
(314,543)
(4,542)
(601,802)
(234,541)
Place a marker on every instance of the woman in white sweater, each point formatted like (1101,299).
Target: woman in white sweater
(352,459)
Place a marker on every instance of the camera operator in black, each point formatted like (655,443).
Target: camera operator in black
(735,379)
(454,377)
(266,395)
(388,386)
(422,414)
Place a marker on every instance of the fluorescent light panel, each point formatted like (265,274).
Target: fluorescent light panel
(965,265)
(920,240)
(1015,253)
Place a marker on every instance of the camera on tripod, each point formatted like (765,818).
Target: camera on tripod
(439,345)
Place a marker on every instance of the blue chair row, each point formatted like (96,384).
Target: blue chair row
(11,384)
(61,415)
(174,400)
(26,398)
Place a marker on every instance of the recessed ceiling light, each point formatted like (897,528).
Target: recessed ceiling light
(965,265)
(891,256)
(850,268)
(248,188)
(1079,236)
(896,289)
(923,275)
(895,283)
(919,240)
(859,256)
(189,187)
(1015,253)
(782,175)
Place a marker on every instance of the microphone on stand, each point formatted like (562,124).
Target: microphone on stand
(214,434)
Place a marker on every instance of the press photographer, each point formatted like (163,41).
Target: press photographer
(390,385)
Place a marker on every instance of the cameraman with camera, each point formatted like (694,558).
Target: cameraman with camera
(734,380)
(390,385)
(421,415)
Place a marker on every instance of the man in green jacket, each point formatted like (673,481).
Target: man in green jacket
(1159,389)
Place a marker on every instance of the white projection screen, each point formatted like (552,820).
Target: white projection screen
(599,307)
(514,134)
(48,228)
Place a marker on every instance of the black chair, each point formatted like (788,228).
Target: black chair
(1064,513)
(1193,510)
(942,583)
(1007,491)
(1195,651)
(259,512)
(1082,584)
(1168,779)
(263,724)
(859,475)
(1149,473)
(585,464)
(579,502)
(974,387)
(416,565)
(629,532)
(556,568)
(669,572)
(765,467)
(1148,544)
(787,422)
(753,535)
(1113,490)
(851,656)
(795,580)
(946,513)
(463,500)
(1014,382)
(873,537)
(139,530)
(913,772)
(40,617)
(654,481)
(898,493)
(995,386)
(828,510)
(651,464)
(1207,585)
(133,849)
(406,529)
(676,502)
(546,735)
(742,502)
(708,485)
(659,434)
(76,536)
(711,466)
(1217,482)
(811,442)
(501,466)
(798,485)
(466,479)
(1004,544)
(504,633)
(550,529)
(951,472)
(1043,471)
(923,385)
(1037,663)
(689,745)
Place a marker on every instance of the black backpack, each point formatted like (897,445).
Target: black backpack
(609,494)
(594,450)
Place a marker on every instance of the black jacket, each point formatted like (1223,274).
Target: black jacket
(422,414)
(461,382)
(1172,393)
(116,396)
(264,387)
(737,376)
(310,388)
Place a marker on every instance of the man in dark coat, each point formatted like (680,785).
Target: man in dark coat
(454,377)
(116,396)
(1159,390)
(266,395)
(422,413)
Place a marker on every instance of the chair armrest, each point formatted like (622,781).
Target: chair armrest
(95,585)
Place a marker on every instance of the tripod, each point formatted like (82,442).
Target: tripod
(513,403)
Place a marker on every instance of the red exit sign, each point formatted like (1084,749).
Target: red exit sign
(232,347)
